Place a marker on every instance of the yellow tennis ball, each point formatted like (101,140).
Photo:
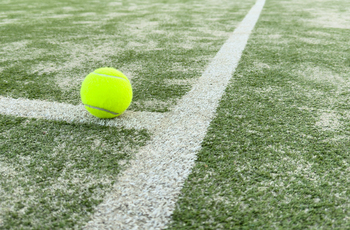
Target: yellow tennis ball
(106,93)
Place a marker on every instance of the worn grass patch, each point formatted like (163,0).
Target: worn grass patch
(277,154)
(48,47)
(53,174)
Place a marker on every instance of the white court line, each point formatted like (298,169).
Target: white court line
(144,196)
(75,113)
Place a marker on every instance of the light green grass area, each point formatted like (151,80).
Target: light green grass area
(53,174)
(48,47)
(277,155)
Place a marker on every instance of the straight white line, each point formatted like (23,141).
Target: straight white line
(145,195)
(75,113)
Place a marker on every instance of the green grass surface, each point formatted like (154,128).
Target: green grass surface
(53,174)
(48,47)
(275,157)
(277,154)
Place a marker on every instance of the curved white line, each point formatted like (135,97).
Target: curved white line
(105,110)
(105,75)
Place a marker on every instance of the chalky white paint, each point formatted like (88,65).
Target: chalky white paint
(75,113)
(145,194)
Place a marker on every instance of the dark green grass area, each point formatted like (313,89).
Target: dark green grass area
(48,47)
(53,174)
(277,154)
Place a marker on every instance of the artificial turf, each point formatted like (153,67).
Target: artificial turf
(48,47)
(277,154)
(53,174)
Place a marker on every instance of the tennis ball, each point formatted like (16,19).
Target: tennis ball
(106,93)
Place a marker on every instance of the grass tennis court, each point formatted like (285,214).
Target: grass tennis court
(49,47)
(276,155)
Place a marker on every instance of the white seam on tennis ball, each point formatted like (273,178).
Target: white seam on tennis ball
(145,195)
(105,75)
(75,113)
(105,110)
